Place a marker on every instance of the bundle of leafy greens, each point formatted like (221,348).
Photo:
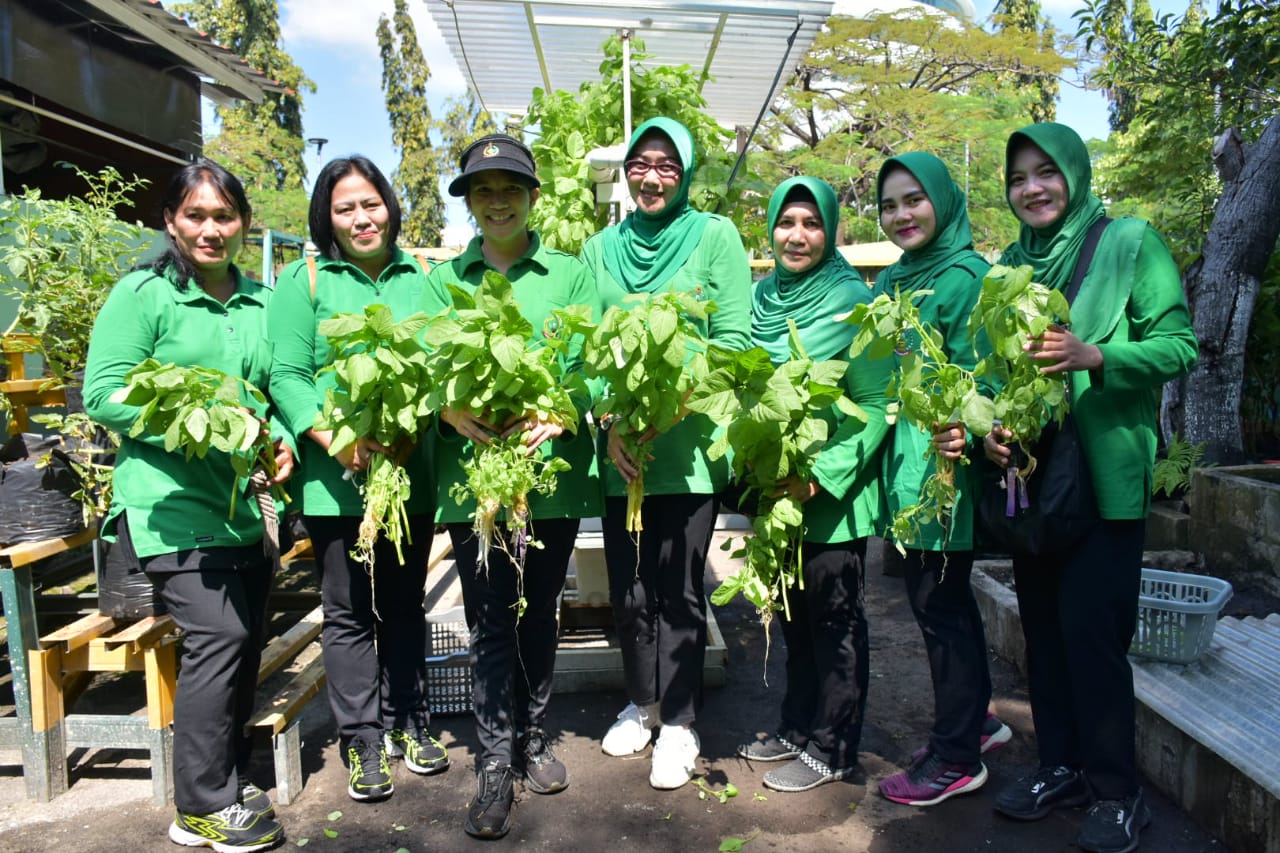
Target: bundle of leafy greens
(198,409)
(485,359)
(652,356)
(928,391)
(381,393)
(1010,309)
(774,423)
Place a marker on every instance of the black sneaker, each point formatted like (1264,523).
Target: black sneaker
(1112,826)
(543,772)
(422,753)
(370,773)
(1033,797)
(489,815)
(234,829)
(255,800)
(769,748)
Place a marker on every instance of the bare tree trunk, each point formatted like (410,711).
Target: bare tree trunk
(1222,286)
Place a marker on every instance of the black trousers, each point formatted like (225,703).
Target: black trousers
(376,665)
(943,603)
(659,606)
(1079,611)
(827,658)
(513,659)
(222,612)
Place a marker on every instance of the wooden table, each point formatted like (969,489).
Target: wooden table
(17,594)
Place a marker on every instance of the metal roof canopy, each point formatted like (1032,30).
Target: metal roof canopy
(507,47)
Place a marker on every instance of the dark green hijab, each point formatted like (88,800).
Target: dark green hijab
(1053,251)
(811,298)
(645,251)
(953,240)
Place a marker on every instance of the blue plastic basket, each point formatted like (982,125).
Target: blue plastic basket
(1177,613)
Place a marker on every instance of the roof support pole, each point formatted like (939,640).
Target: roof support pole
(626,35)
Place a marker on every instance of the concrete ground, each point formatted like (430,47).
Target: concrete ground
(609,804)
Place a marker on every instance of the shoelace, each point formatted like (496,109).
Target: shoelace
(491,786)
(369,756)
(235,815)
(536,748)
(1116,806)
(1044,776)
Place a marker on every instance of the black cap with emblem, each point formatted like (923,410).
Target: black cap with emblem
(495,151)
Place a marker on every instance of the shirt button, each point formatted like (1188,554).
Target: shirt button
(230,329)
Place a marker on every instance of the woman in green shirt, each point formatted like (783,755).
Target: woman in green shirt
(513,656)
(374,626)
(922,211)
(657,588)
(1130,333)
(193,308)
(826,634)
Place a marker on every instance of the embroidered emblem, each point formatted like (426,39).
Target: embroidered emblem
(491,150)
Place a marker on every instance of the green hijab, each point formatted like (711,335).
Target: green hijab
(1053,251)
(951,243)
(811,298)
(645,250)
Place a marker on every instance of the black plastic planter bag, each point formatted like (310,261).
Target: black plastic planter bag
(36,503)
(124,590)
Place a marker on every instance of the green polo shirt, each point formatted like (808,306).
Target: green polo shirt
(716,270)
(174,503)
(300,352)
(543,280)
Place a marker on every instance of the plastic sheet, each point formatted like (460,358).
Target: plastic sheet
(36,502)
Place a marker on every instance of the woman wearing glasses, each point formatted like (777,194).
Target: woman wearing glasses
(656,587)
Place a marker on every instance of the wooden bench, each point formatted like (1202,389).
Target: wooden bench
(277,716)
(62,666)
(24,393)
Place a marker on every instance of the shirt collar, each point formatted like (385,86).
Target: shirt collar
(246,289)
(536,254)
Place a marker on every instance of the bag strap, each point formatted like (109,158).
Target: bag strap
(1085,257)
(311,275)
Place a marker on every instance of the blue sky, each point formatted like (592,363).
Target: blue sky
(335,44)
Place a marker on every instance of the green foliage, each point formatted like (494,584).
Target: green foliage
(404,81)
(485,359)
(706,792)
(1025,16)
(383,383)
(775,421)
(871,87)
(928,391)
(652,356)
(63,260)
(198,409)
(87,443)
(1012,308)
(1172,472)
(573,123)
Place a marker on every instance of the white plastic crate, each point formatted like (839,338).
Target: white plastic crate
(1177,613)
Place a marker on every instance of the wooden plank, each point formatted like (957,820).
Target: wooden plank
(286,704)
(145,632)
(441,547)
(80,632)
(25,553)
(47,706)
(162,684)
(301,550)
(285,647)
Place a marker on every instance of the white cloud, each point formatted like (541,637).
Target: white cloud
(338,25)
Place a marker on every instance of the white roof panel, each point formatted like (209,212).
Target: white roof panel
(507,47)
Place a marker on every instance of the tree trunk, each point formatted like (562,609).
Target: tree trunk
(1222,286)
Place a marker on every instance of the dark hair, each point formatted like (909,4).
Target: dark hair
(800,194)
(184,182)
(320,216)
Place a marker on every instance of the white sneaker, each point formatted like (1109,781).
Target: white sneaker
(675,756)
(632,732)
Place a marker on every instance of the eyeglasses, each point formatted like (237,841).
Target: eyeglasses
(665,169)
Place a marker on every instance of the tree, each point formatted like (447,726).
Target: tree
(404,82)
(873,87)
(1025,16)
(1197,81)
(571,124)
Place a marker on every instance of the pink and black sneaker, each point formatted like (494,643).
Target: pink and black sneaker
(931,779)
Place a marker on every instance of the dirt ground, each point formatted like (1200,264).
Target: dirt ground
(609,804)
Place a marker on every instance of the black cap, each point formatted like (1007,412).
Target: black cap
(495,151)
